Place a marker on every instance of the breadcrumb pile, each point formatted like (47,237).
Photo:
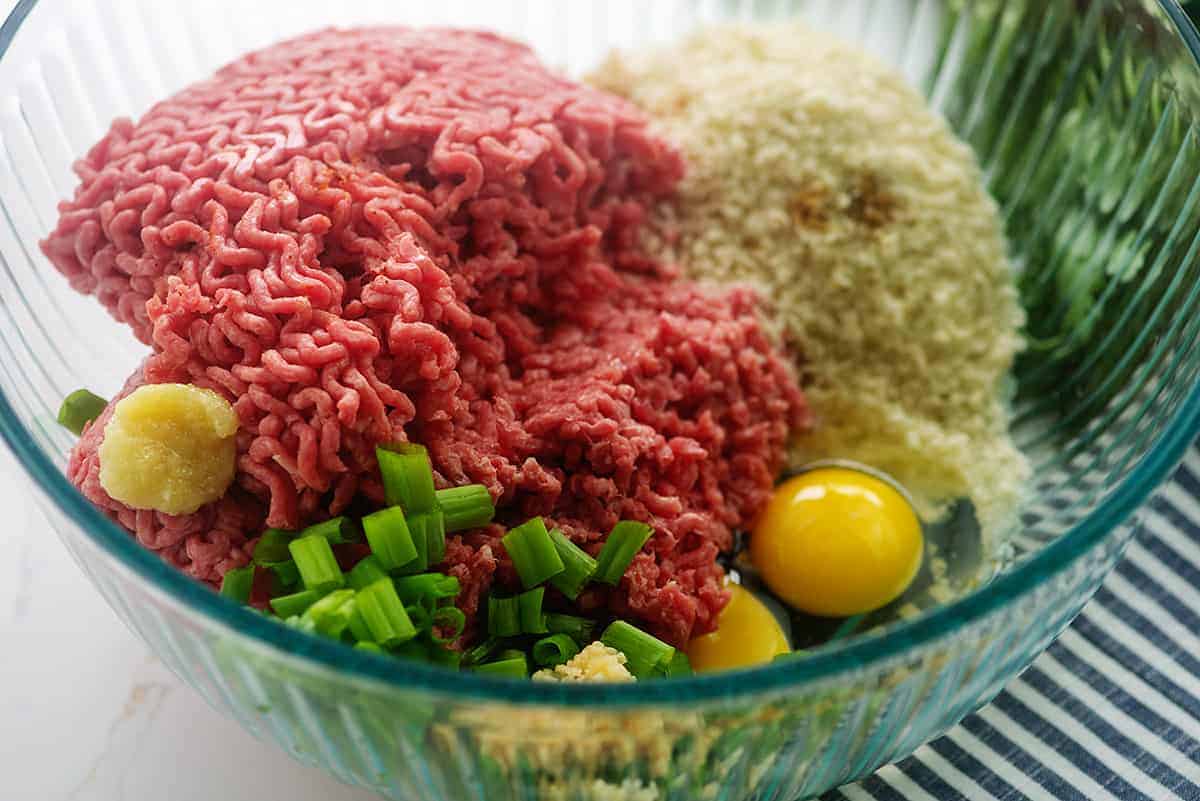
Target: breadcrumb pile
(819,174)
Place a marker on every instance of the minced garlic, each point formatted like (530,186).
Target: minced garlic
(597,662)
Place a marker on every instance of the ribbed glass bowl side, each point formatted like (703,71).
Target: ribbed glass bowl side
(1082,114)
(415,744)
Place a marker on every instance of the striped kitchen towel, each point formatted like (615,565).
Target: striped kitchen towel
(1111,712)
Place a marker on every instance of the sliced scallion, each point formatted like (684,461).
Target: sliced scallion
(445,657)
(480,651)
(679,666)
(301,623)
(432,528)
(389,538)
(331,615)
(623,543)
(237,583)
(317,565)
(577,628)
(514,668)
(419,614)
(407,477)
(296,604)
(418,530)
(368,571)
(80,408)
(529,604)
(272,546)
(287,575)
(358,625)
(578,566)
(336,530)
(385,615)
(451,621)
(504,616)
(414,649)
(644,653)
(367,645)
(466,507)
(532,552)
(426,585)
(554,650)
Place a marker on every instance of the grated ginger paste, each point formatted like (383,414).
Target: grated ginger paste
(169,447)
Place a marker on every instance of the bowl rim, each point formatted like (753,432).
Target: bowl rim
(828,663)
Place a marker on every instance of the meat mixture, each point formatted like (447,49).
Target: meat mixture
(394,234)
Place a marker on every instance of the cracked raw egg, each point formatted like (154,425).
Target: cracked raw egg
(747,634)
(836,542)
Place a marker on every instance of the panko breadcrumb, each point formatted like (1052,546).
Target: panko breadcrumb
(597,662)
(820,175)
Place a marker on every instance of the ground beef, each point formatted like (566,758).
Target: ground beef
(393,234)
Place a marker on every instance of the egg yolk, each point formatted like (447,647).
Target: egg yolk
(837,542)
(747,634)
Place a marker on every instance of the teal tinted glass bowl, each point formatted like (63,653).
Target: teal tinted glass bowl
(1082,114)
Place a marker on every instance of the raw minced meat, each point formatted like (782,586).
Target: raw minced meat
(393,234)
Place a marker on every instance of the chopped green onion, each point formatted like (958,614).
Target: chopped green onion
(678,667)
(426,585)
(432,528)
(578,628)
(450,618)
(529,603)
(297,603)
(643,652)
(287,575)
(509,653)
(236,583)
(623,543)
(317,565)
(407,477)
(367,571)
(445,657)
(389,538)
(331,615)
(385,614)
(578,567)
(365,645)
(419,529)
(302,623)
(504,616)
(532,552)
(466,507)
(480,651)
(514,668)
(272,546)
(358,625)
(421,617)
(80,408)
(336,530)
(413,649)
(554,650)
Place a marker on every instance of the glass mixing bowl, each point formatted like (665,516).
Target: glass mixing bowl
(1082,113)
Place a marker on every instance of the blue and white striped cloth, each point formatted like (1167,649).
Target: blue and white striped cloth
(1111,712)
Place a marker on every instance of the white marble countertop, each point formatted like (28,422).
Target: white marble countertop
(87,713)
